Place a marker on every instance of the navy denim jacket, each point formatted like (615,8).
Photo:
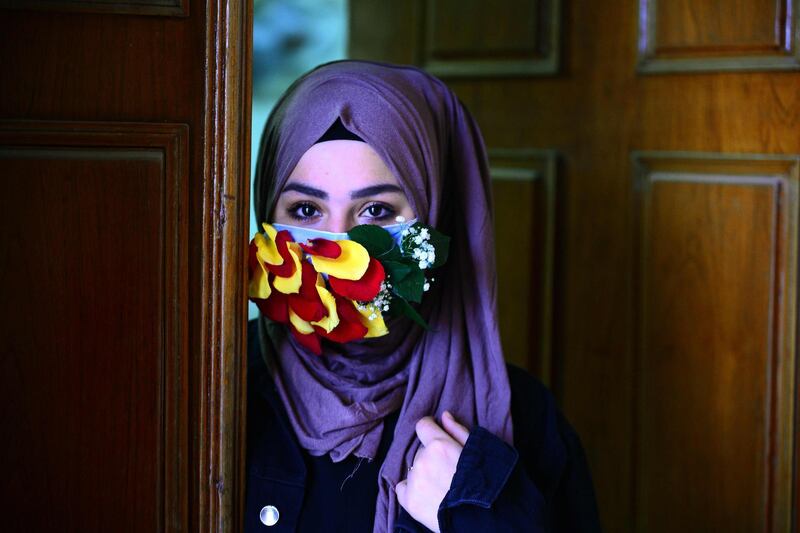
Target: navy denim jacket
(540,484)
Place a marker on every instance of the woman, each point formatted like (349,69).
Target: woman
(419,428)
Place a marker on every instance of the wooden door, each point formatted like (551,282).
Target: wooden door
(653,150)
(123,164)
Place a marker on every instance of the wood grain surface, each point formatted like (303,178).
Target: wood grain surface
(123,142)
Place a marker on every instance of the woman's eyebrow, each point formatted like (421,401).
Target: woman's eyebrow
(374,189)
(306,189)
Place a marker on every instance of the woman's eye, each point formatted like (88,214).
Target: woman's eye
(303,211)
(378,211)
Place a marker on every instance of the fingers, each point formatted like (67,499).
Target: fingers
(401,490)
(456,430)
(428,430)
(417,454)
(431,472)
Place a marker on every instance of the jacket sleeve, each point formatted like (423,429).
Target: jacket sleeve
(540,485)
(490,491)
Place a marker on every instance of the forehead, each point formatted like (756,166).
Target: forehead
(341,164)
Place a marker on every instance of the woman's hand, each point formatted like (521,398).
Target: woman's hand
(430,476)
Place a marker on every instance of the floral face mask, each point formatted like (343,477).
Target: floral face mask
(300,234)
(341,286)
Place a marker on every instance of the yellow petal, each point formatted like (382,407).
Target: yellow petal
(375,327)
(294,247)
(329,322)
(291,285)
(259,284)
(267,250)
(351,264)
(269,230)
(301,325)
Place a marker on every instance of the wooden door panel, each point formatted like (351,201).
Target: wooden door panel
(516,33)
(524,194)
(522,37)
(709,24)
(714,375)
(712,35)
(102,67)
(133,7)
(94,252)
(99,399)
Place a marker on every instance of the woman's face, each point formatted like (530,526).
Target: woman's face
(340,184)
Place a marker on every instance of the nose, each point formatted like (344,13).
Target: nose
(338,224)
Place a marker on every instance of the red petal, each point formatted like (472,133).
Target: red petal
(347,311)
(323,248)
(308,283)
(309,341)
(276,307)
(350,327)
(364,289)
(252,260)
(345,332)
(307,304)
(286,269)
(308,310)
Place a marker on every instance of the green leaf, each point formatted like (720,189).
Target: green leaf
(393,255)
(406,309)
(410,286)
(375,239)
(441,243)
(396,270)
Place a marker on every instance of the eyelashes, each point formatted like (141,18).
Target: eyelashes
(374,211)
(303,211)
(379,211)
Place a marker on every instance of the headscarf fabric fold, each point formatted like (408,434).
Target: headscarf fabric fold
(337,402)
